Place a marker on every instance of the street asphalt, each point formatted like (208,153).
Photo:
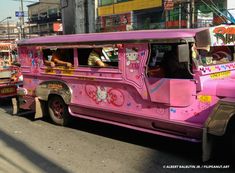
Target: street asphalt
(38,146)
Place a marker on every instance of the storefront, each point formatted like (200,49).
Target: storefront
(148,19)
(124,15)
(196,14)
(118,22)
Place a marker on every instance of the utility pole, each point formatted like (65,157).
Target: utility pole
(86,15)
(8,32)
(192,14)
(22,19)
(188,14)
(180,15)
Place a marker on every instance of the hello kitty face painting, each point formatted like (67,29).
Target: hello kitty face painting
(132,59)
(102,94)
(105,96)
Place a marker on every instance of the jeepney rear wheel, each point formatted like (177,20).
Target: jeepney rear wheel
(58,110)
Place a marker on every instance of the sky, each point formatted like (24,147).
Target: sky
(9,7)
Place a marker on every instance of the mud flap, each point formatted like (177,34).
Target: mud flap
(217,122)
(216,125)
(15,106)
(38,109)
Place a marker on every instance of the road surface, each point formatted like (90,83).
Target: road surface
(28,146)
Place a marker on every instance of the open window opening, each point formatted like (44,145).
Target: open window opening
(164,62)
(55,57)
(106,56)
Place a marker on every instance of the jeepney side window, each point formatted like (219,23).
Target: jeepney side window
(58,57)
(89,56)
(216,55)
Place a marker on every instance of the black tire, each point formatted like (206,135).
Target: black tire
(58,110)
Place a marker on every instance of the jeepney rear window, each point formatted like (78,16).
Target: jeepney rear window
(216,55)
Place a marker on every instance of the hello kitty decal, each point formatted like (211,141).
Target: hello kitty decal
(132,59)
(35,57)
(100,94)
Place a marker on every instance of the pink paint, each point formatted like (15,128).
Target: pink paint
(124,95)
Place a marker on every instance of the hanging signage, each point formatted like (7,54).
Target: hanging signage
(168,4)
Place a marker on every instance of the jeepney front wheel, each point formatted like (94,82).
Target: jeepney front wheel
(58,110)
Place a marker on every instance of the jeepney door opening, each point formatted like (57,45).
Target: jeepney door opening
(164,62)
(168,73)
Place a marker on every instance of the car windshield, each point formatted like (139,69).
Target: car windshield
(4,58)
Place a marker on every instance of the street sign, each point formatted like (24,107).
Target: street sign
(19,14)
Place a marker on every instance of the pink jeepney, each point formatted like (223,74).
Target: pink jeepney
(176,83)
(10,74)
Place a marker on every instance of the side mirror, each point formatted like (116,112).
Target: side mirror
(16,64)
(183,53)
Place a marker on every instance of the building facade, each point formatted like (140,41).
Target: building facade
(44,18)
(195,13)
(116,15)
(8,31)
(119,15)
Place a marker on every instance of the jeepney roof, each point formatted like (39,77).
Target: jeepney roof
(124,36)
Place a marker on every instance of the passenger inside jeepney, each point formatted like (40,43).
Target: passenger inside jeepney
(58,57)
(106,55)
(94,58)
(216,55)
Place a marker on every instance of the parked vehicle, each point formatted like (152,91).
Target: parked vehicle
(10,74)
(177,83)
